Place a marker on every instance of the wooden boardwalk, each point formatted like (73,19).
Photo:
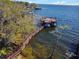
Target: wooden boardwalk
(24,44)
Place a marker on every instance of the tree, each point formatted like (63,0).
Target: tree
(26,3)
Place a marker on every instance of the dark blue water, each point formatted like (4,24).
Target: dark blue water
(66,34)
(68,14)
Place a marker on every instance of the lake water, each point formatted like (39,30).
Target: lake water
(66,34)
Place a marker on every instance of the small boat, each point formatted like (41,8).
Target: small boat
(48,22)
(37,8)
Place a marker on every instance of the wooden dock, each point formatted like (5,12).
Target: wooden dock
(24,44)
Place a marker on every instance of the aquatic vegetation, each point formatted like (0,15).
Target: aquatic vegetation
(65,27)
(36,50)
(41,51)
(28,52)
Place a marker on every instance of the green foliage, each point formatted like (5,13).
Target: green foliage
(33,5)
(26,3)
(4,0)
(4,51)
(14,21)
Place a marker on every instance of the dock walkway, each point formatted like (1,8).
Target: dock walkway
(25,43)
